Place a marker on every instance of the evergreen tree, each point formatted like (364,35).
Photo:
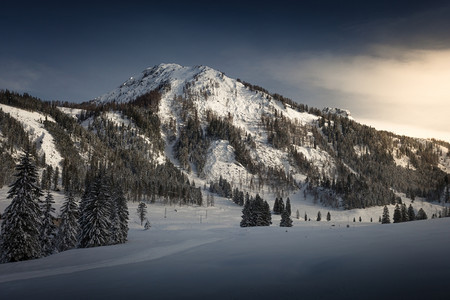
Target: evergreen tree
(276,206)
(385,218)
(328,216)
(298,215)
(267,214)
(121,215)
(142,211)
(397,214)
(286,220)
(280,206)
(48,230)
(247,215)
(147,225)
(241,198)
(319,216)
(21,227)
(95,219)
(411,213)
(404,213)
(288,206)
(69,228)
(421,215)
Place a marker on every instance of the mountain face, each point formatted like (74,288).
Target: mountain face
(172,128)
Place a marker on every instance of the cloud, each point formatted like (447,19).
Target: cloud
(403,86)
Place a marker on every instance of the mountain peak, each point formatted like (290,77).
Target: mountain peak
(151,78)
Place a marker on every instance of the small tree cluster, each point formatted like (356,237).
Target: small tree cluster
(403,214)
(256,212)
(221,188)
(238,197)
(278,206)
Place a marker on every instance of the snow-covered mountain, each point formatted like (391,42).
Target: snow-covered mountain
(211,90)
(201,124)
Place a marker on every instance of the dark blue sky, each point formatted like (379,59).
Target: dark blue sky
(78,51)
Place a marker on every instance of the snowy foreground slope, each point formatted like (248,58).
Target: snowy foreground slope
(196,253)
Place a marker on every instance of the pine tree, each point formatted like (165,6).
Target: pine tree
(286,220)
(69,227)
(241,198)
(48,230)
(276,206)
(121,215)
(397,214)
(411,213)
(328,216)
(298,215)
(319,216)
(247,215)
(142,211)
(267,214)
(404,213)
(21,227)
(280,206)
(288,206)
(147,225)
(95,218)
(421,215)
(385,218)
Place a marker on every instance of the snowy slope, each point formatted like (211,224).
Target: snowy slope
(33,124)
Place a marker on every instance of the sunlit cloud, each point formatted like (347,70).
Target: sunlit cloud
(409,87)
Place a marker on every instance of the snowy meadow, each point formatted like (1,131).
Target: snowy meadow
(200,253)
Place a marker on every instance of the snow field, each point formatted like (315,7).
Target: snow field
(201,252)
